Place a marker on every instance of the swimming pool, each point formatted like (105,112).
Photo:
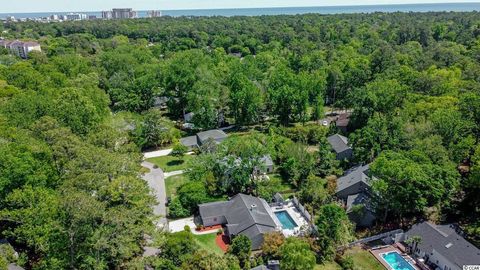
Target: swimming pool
(286,220)
(396,261)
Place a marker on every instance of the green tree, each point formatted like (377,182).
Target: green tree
(314,192)
(334,229)
(179,247)
(272,243)
(77,111)
(156,130)
(246,100)
(241,248)
(179,150)
(408,182)
(210,261)
(192,194)
(296,254)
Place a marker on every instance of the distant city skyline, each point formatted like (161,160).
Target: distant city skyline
(95,5)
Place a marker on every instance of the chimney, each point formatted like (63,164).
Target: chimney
(253,207)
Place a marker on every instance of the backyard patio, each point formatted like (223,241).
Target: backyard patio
(293,222)
(391,257)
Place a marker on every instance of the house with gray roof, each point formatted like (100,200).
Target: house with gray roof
(201,138)
(442,246)
(266,165)
(359,209)
(354,181)
(241,215)
(353,188)
(340,146)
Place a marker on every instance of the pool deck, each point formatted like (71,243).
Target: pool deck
(377,253)
(295,215)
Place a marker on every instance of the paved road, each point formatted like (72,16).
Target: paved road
(155,180)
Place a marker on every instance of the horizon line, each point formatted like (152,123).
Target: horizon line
(270,7)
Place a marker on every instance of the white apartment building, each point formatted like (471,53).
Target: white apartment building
(20,48)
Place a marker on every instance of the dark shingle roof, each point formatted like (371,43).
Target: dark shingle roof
(359,199)
(201,137)
(213,209)
(189,141)
(339,143)
(245,214)
(214,134)
(246,210)
(353,176)
(447,242)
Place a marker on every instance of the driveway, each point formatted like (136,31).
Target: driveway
(159,153)
(155,180)
(179,224)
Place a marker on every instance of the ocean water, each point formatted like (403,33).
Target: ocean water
(285,11)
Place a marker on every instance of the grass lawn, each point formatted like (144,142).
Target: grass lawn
(171,163)
(172,183)
(286,190)
(207,242)
(328,266)
(363,259)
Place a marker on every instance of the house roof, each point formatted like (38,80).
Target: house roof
(202,137)
(343,120)
(214,134)
(189,141)
(245,214)
(339,143)
(353,176)
(359,199)
(31,44)
(213,209)
(447,242)
(246,211)
(267,160)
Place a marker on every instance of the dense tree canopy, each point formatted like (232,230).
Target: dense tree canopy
(74,118)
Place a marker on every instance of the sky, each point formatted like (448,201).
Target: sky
(23,6)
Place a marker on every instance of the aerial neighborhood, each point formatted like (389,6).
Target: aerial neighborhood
(332,138)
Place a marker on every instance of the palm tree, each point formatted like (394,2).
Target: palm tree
(413,241)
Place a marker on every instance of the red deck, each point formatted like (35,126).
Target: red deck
(222,241)
(210,228)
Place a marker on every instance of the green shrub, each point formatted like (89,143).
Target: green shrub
(176,209)
(346,263)
(179,150)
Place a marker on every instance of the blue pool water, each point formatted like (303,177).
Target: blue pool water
(286,220)
(396,261)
